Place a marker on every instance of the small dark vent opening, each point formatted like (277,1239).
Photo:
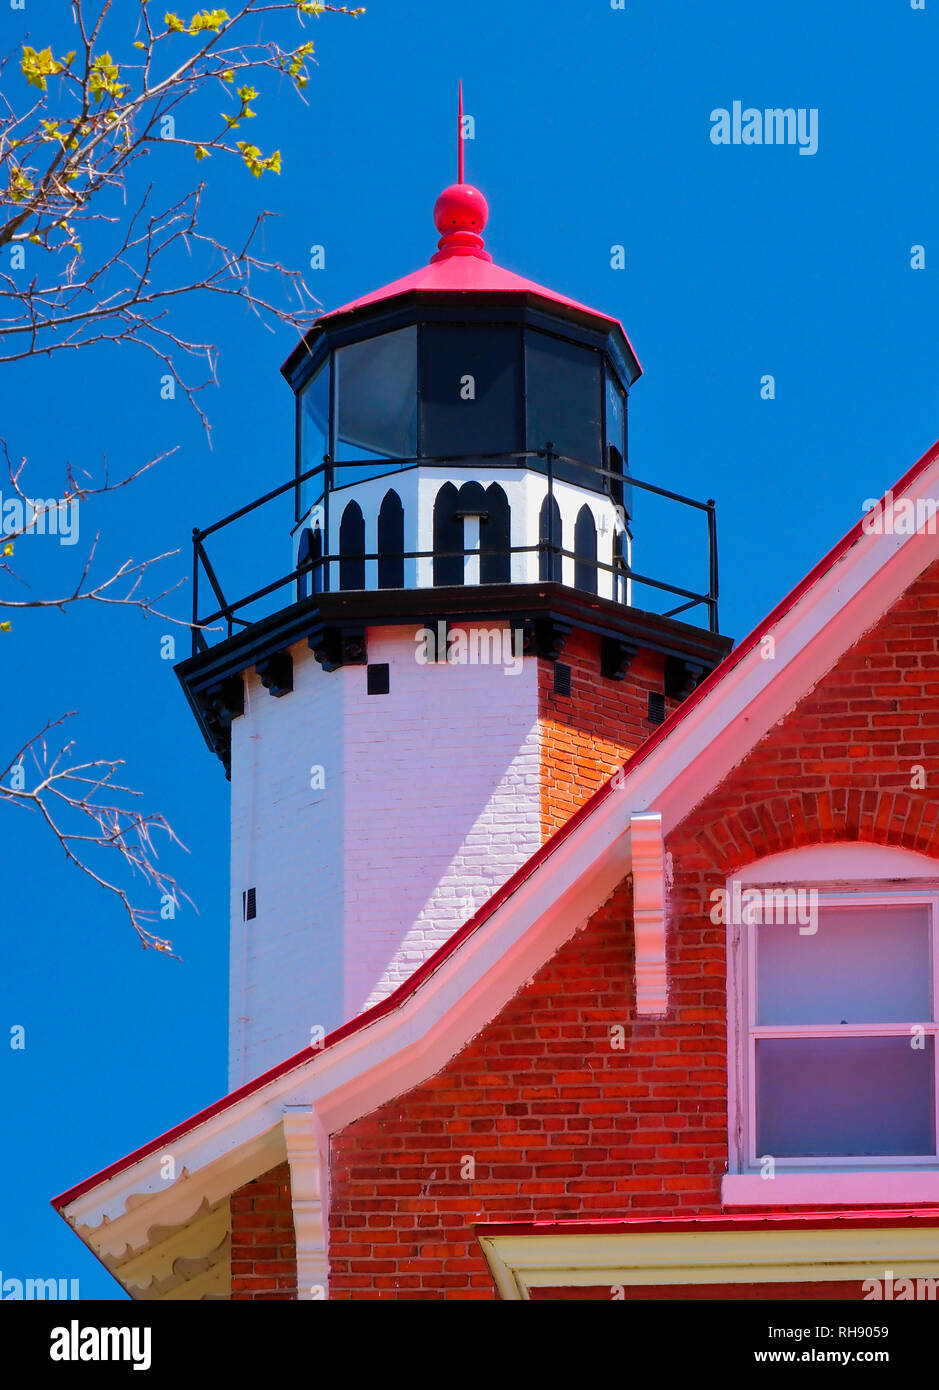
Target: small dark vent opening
(249,904)
(562,678)
(676,678)
(378,678)
(656,707)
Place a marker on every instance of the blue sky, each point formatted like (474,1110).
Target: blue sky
(591,129)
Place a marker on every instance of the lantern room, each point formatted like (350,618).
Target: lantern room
(461,455)
(462,425)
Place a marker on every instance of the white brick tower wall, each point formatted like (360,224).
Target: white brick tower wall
(431,800)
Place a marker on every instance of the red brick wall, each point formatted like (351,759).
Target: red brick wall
(586,736)
(263,1245)
(558,1121)
(838,767)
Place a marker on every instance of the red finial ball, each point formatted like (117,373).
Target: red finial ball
(460,213)
(460,208)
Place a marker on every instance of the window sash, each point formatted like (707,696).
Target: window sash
(747,946)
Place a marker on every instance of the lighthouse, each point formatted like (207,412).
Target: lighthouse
(453,645)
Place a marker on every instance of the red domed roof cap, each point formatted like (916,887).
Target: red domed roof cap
(460,214)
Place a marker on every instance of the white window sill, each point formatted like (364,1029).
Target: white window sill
(899,1187)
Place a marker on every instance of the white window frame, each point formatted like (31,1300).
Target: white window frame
(883,876)
(756,1032)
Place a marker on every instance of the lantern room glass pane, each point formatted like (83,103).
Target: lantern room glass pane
(376,389)
(471,390)
(615,419)
(845,1097)
(865,964)
(563,391)
(615,414)
(314,436)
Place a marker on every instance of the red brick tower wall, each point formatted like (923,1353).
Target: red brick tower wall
(587,735)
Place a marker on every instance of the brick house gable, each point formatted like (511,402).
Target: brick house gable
(840,766)
(556,1118)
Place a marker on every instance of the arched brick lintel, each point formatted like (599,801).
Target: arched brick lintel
(901,818)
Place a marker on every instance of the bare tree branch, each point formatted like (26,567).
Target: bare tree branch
(121,587)
(83,271)
(84,807)
(67,156)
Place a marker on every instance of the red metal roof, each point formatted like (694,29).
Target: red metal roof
(457,274)
(462,265)
(512,884)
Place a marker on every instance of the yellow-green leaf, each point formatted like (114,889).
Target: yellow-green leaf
(247,95)
(255,163)
(37,66)
(102,80)
(19,187)
(211,20)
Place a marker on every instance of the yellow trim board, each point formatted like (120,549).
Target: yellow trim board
(522,1262)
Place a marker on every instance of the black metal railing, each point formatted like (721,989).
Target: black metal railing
(315,573)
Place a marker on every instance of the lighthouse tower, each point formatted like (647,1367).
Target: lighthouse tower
(456,656)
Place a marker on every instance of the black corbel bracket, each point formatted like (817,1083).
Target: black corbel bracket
(616,656)
(545,637)
(339,645)
(225,701)
(681,676)
(276,673)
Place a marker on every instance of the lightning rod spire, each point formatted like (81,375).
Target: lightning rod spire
(459,136)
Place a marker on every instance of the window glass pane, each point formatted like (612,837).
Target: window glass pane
(615,415)
(377,391)
(562,387)
(616,440)
(314,434)
(844,1097)
(864,964)
(471,390)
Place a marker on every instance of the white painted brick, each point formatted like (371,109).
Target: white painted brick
(432,799)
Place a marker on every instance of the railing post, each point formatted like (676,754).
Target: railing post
(327,488)
(195,587)
(712,565)
(554,548)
